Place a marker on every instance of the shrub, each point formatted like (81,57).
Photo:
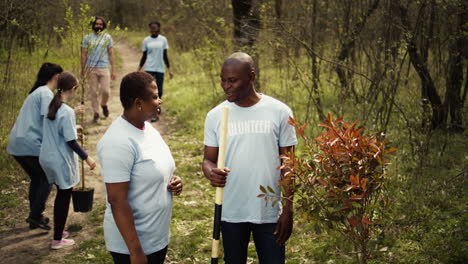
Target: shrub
(339,183)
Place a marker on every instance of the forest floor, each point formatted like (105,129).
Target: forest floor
(19,244)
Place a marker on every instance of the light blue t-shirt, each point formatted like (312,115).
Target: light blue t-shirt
(26,136)
(141,157)
(254,137)
(97,45)
(154,48)
(59,161)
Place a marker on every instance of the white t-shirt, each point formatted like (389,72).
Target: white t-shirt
(26,136)
(254,137)
(154,48)
(57,159)
(141,157)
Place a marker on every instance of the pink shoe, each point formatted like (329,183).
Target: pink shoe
(64,243)
(65,234)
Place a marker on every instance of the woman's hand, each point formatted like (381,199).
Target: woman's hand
(175,186)
(139,258)
(79,132)
(91,163)
(79,109)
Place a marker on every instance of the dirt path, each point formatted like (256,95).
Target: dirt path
(19,244)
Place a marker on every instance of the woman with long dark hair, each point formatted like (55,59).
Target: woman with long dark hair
(59,154)
(26,137)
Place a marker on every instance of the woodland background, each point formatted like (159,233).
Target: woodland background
(400,67)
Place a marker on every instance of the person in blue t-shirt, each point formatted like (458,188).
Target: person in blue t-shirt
(138,169)
(26,137)
(155,55)
(258,133)
(59,154)
(97,54)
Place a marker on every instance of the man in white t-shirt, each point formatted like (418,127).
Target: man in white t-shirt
(258,132)
(155,55)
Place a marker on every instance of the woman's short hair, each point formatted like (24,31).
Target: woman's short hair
(135,85)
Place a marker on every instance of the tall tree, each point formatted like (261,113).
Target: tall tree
(315,69)
(348,44)
(453,96)
(428,88)
(246,18)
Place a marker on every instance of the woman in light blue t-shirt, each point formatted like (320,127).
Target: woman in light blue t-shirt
(138,169)
(25,141)
(59,154)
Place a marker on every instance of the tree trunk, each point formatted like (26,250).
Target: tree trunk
(428,89)
(455,76)
(348,45)
(246,18)
(315,70)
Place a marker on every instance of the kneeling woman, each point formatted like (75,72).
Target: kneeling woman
(137,168)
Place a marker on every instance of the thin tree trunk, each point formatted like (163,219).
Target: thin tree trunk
(455,77)
(246,18)
(429,92)
(348,45)
(315,71)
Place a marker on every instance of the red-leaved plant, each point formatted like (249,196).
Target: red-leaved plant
(339,183)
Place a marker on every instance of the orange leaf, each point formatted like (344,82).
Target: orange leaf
(356,197)
(354,179)
(365,220)
(323,182)
(390,150)
(353,221)
(364,183)
(326,126)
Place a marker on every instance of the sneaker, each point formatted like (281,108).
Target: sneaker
(96,117)
(45,219)
(105,110)
(64,243)
(41,223)
(65,234)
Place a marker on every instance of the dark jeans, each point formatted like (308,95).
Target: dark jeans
(39,187)
(159,76)
(61,206)
(236,237)
(157,257)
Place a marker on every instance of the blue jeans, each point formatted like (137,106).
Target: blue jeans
(236,237)
(159,76)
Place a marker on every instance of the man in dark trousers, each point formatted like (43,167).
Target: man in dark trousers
(258,132)
(155,55)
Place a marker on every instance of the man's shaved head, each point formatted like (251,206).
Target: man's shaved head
(241,58)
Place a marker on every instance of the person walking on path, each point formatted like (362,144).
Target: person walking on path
(25,141)
(155,55)
(59,154)
(258,132)
(137,167)
(97,55)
